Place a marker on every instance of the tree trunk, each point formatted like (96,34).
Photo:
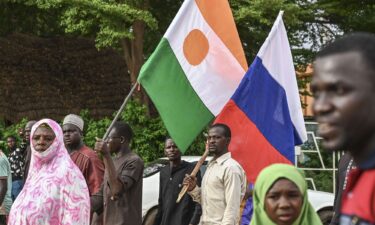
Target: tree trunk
(133,55)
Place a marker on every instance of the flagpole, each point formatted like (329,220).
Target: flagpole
(193,173)
(120,111)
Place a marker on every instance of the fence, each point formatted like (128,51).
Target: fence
(316,163)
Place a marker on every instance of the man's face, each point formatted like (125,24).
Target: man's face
(72,135)
(43,138)
(11,142)
(114,141)
(217,142)
(283,202)
(171,150)
(344,103)
(27,131)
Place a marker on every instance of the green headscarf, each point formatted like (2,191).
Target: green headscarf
(264,182)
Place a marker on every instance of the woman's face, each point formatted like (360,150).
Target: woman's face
(283,202)
(43,138)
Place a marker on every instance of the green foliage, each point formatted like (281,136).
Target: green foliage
(348,15)
(105,20)
(254,20)
(149,133)
(23,17)
(93,128)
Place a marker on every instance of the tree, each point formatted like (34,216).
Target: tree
(348,15)
(134,27)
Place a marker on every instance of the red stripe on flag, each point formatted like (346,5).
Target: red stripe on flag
(248,145)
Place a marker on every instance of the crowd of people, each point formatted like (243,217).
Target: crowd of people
(53,178)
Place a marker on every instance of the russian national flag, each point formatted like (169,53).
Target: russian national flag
(265,114)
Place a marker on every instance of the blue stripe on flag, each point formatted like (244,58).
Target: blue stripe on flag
(264,102)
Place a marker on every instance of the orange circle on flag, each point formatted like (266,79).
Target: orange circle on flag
(195,47)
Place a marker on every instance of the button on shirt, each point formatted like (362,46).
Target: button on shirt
(223,187)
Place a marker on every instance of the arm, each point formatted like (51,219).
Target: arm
(159,215)
(3,188)
(113,181)
(95,174)
(198,209)
(233,194)
(4,173)
(193,190)
(97,201)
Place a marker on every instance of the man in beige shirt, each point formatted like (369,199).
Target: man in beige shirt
(224,183)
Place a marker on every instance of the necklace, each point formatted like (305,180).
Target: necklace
(347,173)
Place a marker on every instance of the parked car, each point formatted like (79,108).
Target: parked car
(321,201)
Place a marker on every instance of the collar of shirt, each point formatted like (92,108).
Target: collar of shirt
(182,165)
(221,159)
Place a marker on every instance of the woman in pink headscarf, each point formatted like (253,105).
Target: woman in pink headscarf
(55,192)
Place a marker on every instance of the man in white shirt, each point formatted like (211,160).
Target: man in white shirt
(224,183)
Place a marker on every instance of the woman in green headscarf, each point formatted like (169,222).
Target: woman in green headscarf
(280,198)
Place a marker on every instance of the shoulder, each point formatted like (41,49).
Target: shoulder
(232,165)
(134,158)
(87,152)
(189,165)
(3,158)
(130,161)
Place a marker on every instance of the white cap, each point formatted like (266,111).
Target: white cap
(75,120)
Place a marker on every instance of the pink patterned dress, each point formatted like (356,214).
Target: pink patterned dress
(55,192)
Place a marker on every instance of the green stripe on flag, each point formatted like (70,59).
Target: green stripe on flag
(182,111)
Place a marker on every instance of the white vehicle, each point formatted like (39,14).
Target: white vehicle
(321,201)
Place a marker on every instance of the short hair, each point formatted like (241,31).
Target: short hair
(13,137)
(227,132)
(361,42)
(30,123)
(123,129)
(168,138)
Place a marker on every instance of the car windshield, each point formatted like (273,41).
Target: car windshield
(154,167)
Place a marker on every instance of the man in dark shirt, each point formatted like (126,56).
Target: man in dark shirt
(16,161)
(26,147)
(120,196)
(186,212)
(344,90)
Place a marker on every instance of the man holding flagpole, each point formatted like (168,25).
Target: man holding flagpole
(224,183)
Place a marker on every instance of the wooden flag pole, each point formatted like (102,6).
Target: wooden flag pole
(193,173)
(120,111)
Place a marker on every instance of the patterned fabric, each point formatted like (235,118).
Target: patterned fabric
(55,191)
(16,160)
